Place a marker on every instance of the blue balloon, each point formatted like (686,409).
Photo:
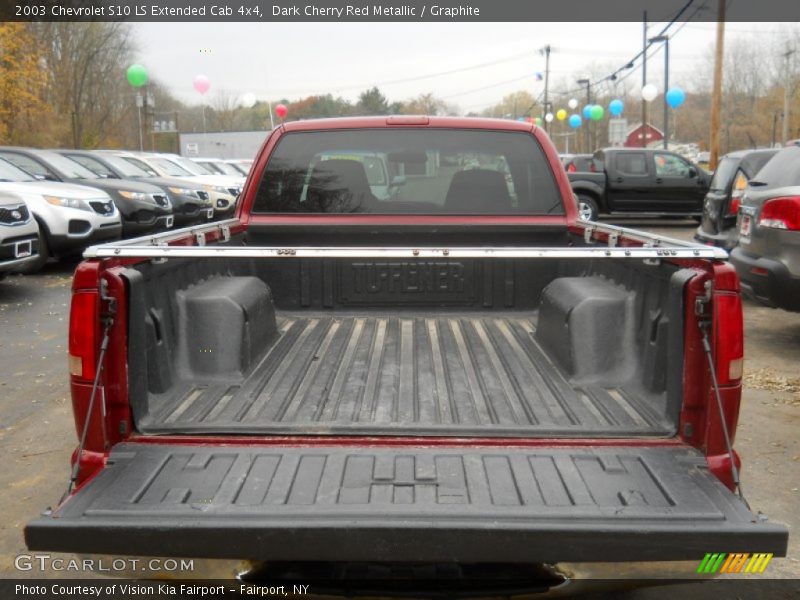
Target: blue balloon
(574,121)
(587,111)
(522,119)
(675,97)
(615,107)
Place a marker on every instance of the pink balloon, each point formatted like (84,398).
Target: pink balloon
(281,110)
(202,84)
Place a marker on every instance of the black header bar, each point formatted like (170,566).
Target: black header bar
(266,11)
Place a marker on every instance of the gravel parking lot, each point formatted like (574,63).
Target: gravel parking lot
(37,432)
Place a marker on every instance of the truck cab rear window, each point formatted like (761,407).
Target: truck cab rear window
(408,171)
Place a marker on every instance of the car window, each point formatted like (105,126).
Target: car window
(170,168)
(409,171)
(26,163)
(210,166)
(669,165)
(10,172)
(141,165)
(67,166)
(632,163)
(226,169)
(739,183)
(92,164)
(783,170)
(724,174)
(126,168)
(192,167)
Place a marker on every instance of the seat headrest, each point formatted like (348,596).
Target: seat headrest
(339,186)
(477,191)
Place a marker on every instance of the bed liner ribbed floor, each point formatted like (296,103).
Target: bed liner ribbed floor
(390,374)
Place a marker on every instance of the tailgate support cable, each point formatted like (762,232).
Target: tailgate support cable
(107,319)
(705,324)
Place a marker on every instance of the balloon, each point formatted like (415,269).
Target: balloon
(201,84)
(539,76)
(538,122)
(587,111)
(561,114)
(615,107)
(649,92)
(137,75)
(248,100)
(574,121)
(597,112)
(521,119)
(675,97)
(549,117)
(281,110)
(573,104)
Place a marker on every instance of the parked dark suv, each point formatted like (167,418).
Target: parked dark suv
(768,255)
(721,204)
(190,204)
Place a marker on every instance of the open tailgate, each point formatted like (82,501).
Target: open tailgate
(472,504)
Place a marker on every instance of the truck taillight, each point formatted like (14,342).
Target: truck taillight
(84,323)
(729,338)
(781,213)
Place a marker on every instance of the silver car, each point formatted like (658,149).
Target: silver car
(19,235)
(768,255)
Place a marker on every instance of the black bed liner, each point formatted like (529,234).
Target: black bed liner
(406,504)
(391,374)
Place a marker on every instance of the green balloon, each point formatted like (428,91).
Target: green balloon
(597,112)
(137,75)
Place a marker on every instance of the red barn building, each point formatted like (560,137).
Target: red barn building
(634,137)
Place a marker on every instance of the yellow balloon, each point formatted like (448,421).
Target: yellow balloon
(561,114)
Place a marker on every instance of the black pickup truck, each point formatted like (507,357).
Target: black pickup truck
(640,181)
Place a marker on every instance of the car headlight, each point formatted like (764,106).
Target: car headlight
(217,188)
(182,191)
(67,202)
(134,195)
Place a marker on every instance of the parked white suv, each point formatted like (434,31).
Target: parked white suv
(70,217)
(19,235)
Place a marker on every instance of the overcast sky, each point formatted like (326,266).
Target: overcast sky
(293,60)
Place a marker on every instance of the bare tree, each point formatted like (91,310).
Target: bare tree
(85,65)
(224,108)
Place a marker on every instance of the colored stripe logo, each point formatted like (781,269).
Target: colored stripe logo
(721,562)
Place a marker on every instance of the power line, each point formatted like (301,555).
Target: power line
(642,52)
(389,82)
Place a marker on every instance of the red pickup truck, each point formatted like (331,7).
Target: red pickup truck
(455,370)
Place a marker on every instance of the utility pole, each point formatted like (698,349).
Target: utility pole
(716,94)
(665,39)
(139,105)
(644,79)
(546,52)
(587,132)
(787,94)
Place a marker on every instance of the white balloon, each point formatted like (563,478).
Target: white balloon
(649,92)
(573,104)
(248,100)
(549,117)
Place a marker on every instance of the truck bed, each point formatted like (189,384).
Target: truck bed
(392,373)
